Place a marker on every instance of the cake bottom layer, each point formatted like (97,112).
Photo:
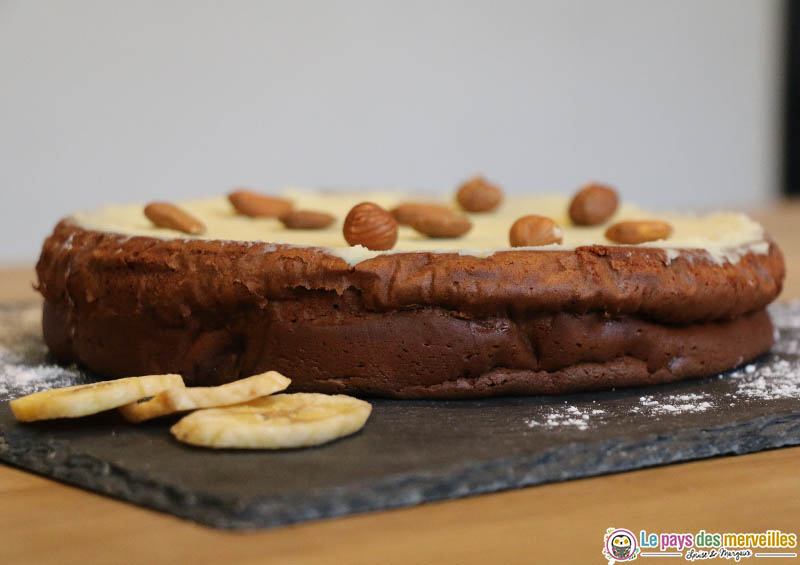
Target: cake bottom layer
(328,343)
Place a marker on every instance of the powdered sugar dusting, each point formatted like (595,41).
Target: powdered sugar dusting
(26,380)
(770,381)
(25,366)
(778,376)
(581,416)
(569,416)
(690,403)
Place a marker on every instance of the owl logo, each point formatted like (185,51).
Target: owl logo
(620,545)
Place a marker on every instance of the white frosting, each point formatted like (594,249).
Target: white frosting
(725,236)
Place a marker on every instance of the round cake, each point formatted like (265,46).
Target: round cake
(431,317)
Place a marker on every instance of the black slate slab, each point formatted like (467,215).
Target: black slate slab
(410,451)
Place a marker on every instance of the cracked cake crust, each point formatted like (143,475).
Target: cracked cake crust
(410,325)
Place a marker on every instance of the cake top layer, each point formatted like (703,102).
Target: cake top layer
(725,236)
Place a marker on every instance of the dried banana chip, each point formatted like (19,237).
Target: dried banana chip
(83,400)
(184,399)
(275,422)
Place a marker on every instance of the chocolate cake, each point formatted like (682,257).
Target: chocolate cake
(430,317)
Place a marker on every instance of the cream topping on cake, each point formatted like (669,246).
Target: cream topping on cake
(725,236)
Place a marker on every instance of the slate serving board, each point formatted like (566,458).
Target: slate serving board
(410,451)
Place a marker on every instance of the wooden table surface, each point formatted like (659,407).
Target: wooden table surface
(42,521)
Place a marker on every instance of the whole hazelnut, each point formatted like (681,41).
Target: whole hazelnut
(370,225)
(534,230)
(593,205)
(479,195)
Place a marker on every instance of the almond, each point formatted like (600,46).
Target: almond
(593,204)
(405,212)
(257,205)
(534,230)
(440,223)
(479,195)
(632,232)
(370,225)
(166,215)
(306,220)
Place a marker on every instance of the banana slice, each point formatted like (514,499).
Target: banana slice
(83,400)
(175,400)
(275,422)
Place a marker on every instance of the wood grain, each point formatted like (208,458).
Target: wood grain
(782,221)
(45,522)
(16,284)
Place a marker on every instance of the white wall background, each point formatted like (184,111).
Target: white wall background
(674,102)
